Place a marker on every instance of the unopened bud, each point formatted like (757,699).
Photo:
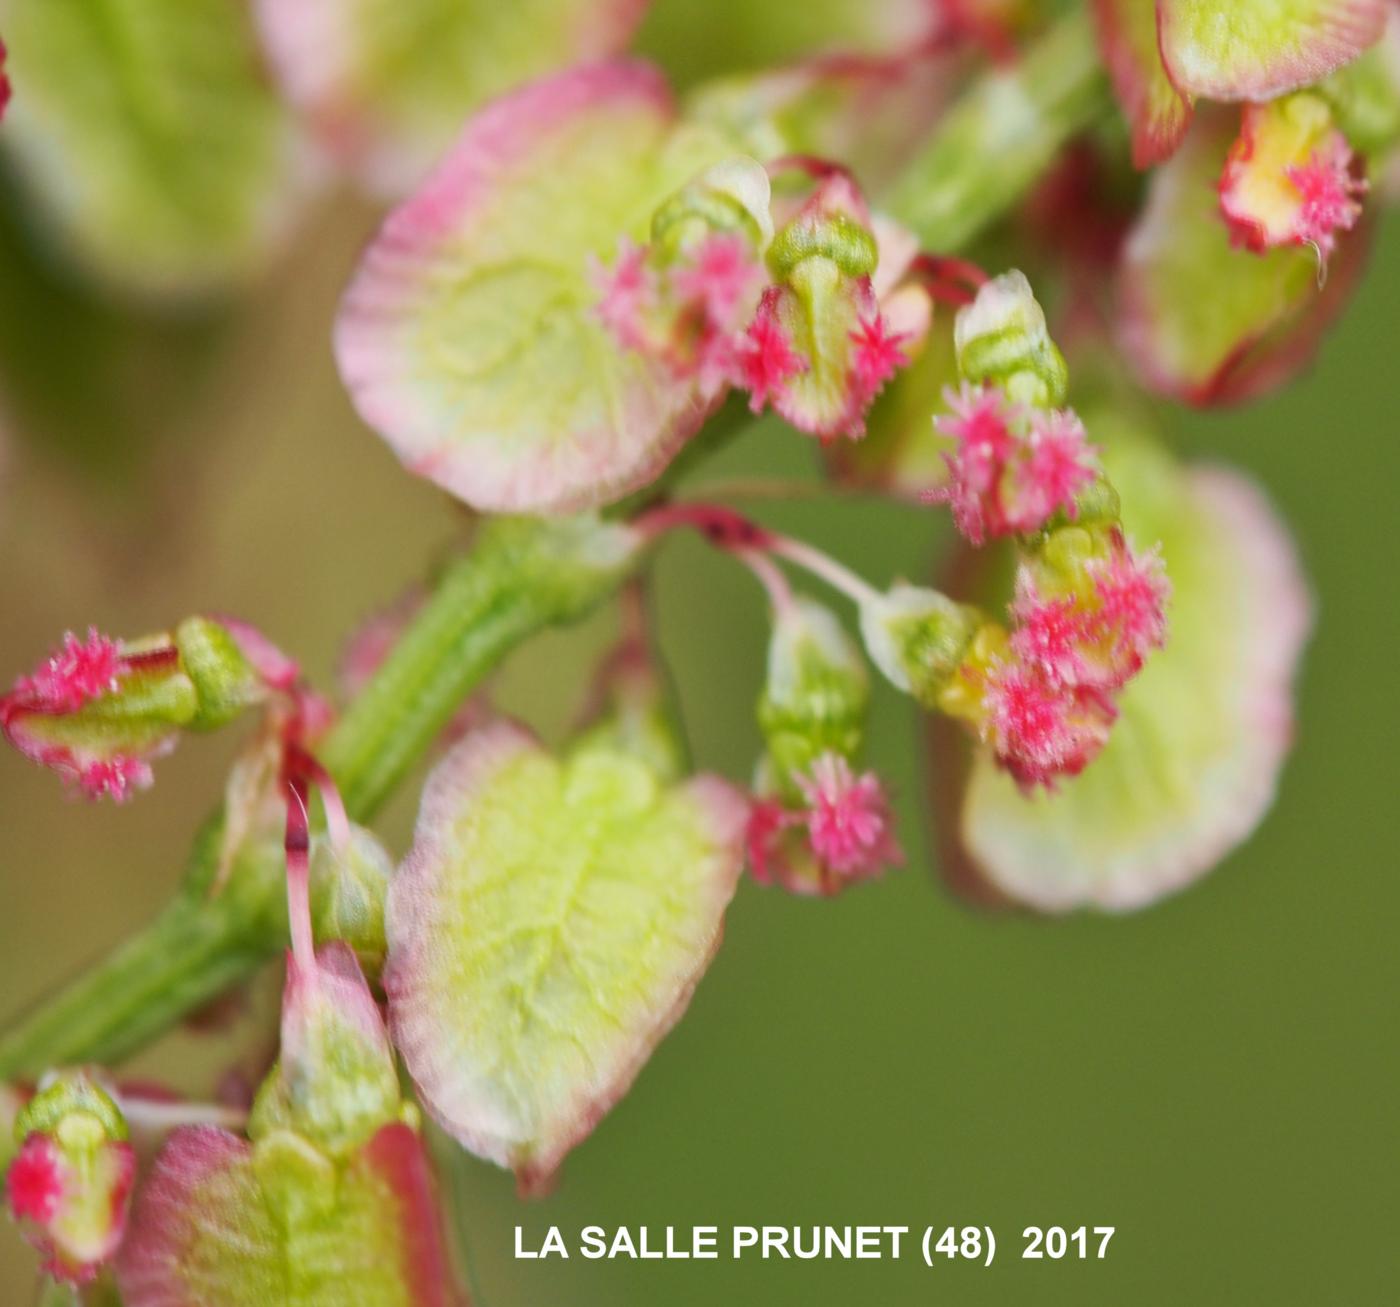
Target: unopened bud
(918,638)
(71,1179)
(816,694)
(1001,339)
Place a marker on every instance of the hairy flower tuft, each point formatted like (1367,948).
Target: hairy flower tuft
(767,360)
(1010,469)
(34,1186)
(74,674)
(877,355)
(849,823)
(1040,730)
(1330,196)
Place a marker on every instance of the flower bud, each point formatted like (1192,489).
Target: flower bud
(335,1084)
(348,889)
(72,1176)
(683,297)
(817,691)
(918,638)
(824,342)
(98,711)
(1001,339)
(1289,179)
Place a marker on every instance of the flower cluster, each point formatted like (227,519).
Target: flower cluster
(798,320)
(70,1182)
(817,824)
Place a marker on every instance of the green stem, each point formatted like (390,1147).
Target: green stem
(994,144)
(521,577)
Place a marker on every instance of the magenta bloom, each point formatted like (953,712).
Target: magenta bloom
(849,823)
(1010,470)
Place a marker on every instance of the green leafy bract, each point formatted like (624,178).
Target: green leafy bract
(546,931)
(470,339)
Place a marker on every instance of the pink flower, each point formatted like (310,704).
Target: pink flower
(627,293)
(1050,634)
(877,355)
(34,1186)
(721,276)
(74,674)
(1132,592)
(849,824)
(4,82)
(1040,730)
(1329,193)
(1058,464)
(1010,470)
(767,360)
(118,777)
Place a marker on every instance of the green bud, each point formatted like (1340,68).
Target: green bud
(73,1108)
(1001,339)
(348,889)
(732,195)
(918,638)
(835,237)
(225,682)
(816,694)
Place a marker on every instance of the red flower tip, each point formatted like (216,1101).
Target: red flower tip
(768,819)
(849,824)
(767,359)
(117,778)
(35,1184)
(720,277)
(1329,194)
(74,674)
(1041,730)
(4,82)
(1010,471)
(877,355)
(1132,592)
(627,294)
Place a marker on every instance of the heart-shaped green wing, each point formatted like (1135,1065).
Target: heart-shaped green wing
(546,931)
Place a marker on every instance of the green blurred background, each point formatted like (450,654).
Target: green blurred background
(1214,1076)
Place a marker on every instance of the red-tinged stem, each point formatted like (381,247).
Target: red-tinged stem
(298,847)
(722,527)
(949,280)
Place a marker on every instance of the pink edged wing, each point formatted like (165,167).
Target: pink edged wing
(220,1222)
(1157,111)
(469,339)
(546,931)
(1258,49)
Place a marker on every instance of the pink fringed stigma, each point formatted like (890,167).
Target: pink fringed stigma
(843,833)
(1329,194)
(4,83)
(35,1184)
(1081,632)
(1012,468)
(766,357)
(730,309)
(689,310)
